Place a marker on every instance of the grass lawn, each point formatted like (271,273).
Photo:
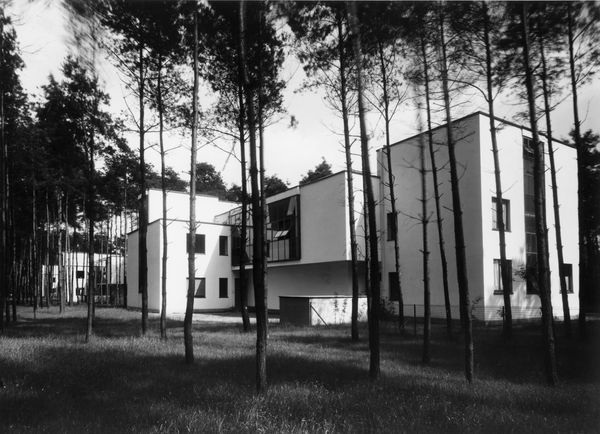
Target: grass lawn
(50,380)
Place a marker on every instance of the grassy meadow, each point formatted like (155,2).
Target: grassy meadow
(52,381)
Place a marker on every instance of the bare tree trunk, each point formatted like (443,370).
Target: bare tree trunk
(461,261)
(68,253)
(556,206)
(90,205)
(258,220)
(374,368)
(436,193)
(388,153)
(543,271)
(3,195)
(143,228)
(48,274)
(504,269)
(165,244)
(61,263)
(189,310)
(583,256)
(244,223)
(425,246)
(349,177)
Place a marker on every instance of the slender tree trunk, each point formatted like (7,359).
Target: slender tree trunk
(388,154)
(163,310)
(90,206)
(48,273)
(461,260)
(61,262)
(68,253)
(374,368)
(556,206)
(244,224)
(349,177)
(504,269)
(583,256)
(3,193)
(543,271)
(258,260)
(263,201)
(425,246)
(143,227)
(189,310)
(436,193)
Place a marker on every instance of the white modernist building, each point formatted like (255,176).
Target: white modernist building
(477,190)
(309,247)
(309,237)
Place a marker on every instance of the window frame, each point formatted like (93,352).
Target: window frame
(200,247)
(223,245)
(569,277)
(202,282)
(224,280)
(390,225)
(393,291)
(506,215)
(498,290)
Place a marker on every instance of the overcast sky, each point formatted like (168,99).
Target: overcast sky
(43,33)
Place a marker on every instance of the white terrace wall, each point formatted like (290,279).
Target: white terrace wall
(405,165)
(510,146)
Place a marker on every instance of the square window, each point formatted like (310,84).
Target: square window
(498,287)
(80,274)
(505,214)
(394,286)
(568,273)
(200,287)
(223,290)
(390,226)
(223,245)
(200,246)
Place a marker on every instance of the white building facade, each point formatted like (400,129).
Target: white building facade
(477,189)
(308,235)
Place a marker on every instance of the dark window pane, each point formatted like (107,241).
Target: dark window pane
(390,226)
(223,291)
(200,289)
(200,243)
(568,273)
(223,245)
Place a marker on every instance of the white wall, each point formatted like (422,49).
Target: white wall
(405,164)
(510,146)
(210,265)
(328,278)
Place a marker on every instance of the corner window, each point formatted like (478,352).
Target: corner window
(200,246)
(200,287)
(498,286)
(223,290)
(223,245)
(568,273)
(505,214)
(390,226)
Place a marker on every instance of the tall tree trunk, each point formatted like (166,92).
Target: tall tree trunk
(543,271)
(388,154)
(90,211)
(263,201)
(583,256)
(425,246)
(143,227)
(68,252)
(461,260)
(349,177)
(436,192)
(556,206)
(244,223)
(258,259)
(165,244)
(374,368)
(61,263)
(48,274)
(504,269)
(189,309)
(3,192)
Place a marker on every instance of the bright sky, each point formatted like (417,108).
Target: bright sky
(43,34)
